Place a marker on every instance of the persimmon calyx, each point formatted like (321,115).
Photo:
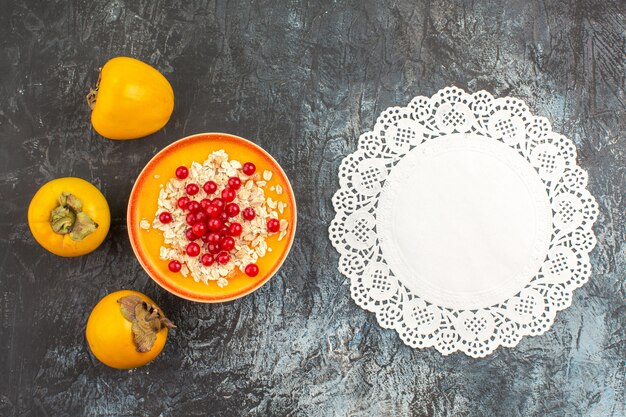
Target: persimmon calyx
(147,320)
(68,218)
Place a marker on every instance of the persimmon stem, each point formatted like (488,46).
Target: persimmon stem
(147,320)
(93,92)
(91,98)
(68,218)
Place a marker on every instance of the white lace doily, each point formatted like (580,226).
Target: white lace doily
(463,222)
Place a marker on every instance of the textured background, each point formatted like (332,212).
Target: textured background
(302,79)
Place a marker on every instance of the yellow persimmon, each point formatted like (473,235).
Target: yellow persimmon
(69,217)
(132,100)
(126,329)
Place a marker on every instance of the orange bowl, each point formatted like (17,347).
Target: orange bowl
(143,205)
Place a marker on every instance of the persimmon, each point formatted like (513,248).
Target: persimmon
(69,217)
(132,99)
(126,329)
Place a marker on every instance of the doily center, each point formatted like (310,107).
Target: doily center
(464,221)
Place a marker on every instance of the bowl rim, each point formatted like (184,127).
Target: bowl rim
(190,295)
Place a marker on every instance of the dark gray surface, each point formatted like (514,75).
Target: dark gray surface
(302,79)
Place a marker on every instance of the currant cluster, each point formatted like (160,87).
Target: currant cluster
(211,220)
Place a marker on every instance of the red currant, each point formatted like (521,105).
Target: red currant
(210,187)
(165,217)
(182,172)
(190,235)
(218,202)
(248,168)
(199,229)
(228,243)
(224,230)
(235,229)
(201,217)
(234,183)
(183,202)
(248,213)
(207,259)
(223,217)
(194,207)
(213,238)
(191,219)
(193,249)
(192,189)
(214,248)
(273,225)
(205,238)
(223,258)
(232,210)
(214,224)
(204,203)
(252,270)
(212,211)
(174,266)
(228,194)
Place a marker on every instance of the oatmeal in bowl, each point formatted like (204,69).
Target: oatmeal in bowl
(215,224)
(215,218)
